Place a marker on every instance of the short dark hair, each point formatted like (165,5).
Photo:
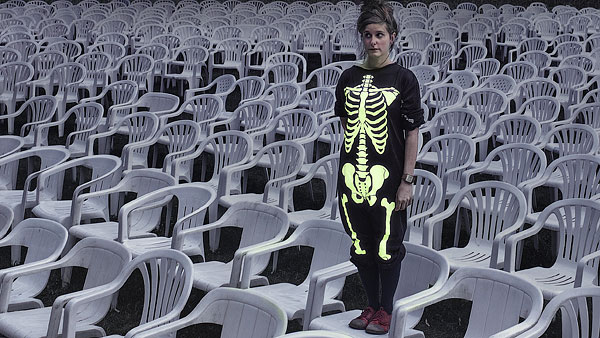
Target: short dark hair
(377,12)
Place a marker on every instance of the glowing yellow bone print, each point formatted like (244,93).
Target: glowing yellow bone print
(353,235)
(389,207)
(366,106)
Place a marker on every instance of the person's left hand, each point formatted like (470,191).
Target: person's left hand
(404,196)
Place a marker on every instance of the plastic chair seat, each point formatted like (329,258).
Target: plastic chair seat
(230,200)
(472,255)
(288,297)
(213,274)
(551,281)
(297,217)
(145,244)
(12,198)
(12,325)
(61,210)
(107,230)
(339,323)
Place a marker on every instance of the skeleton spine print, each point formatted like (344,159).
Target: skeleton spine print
(366,106)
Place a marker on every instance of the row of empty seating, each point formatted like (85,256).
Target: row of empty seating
(509,92)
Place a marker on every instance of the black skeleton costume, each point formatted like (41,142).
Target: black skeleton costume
(380,106)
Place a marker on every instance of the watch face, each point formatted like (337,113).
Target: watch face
(409,178)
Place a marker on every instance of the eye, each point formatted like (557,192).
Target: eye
(380,35)
(367,35)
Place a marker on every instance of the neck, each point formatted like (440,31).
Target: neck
(376,62)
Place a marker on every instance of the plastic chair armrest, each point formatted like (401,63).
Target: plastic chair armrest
(433,220)
(240,254)
(316,289)
(500,237)
(583,261)
(510,245)
(266,249)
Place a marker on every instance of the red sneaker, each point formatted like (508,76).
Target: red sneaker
(361,322)
(380,323)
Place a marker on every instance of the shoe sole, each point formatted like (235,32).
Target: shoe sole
(367,330)
(357,327)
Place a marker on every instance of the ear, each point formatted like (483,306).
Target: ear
(393,37)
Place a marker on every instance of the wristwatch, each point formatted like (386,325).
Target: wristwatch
(408,178)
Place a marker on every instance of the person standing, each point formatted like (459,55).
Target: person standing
(379,104)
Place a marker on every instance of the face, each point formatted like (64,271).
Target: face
(377,40)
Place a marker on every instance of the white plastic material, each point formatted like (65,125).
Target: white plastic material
(497,210)
(10,145)
(241,313)
(326,169)
(285,161)
(499,301)
(45,241)
(331,246)
(261,225)
(87,120)
(423,273)
(193,200)
(578,242)
(167,276)
(140,182)
(103,259)
(18,199)
(50,203)
(575,176)
(578,318)
(427,199)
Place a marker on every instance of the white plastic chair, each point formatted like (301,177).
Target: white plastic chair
(18,199)
(261,225)
(10,144)
(138,68)
(167,276)
(104,260)
(96,65)
(241,313)
(423,272)
(15,78)
(256,58)
(140,182)
(7,217)
(578,242)
(331,246)
(311,40)
(194,59)
(49,201)
(571,139)
(325,169)
(455,153)
(499,301)
(513,128)
(579,319)
(545,109)
(441,96)
(45,241)
(427,199)
(231,52)
(222,86)
(87,120)
(497,210)
(575,176)
(285,160)
(519,70)
(193,199)
(179,137)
